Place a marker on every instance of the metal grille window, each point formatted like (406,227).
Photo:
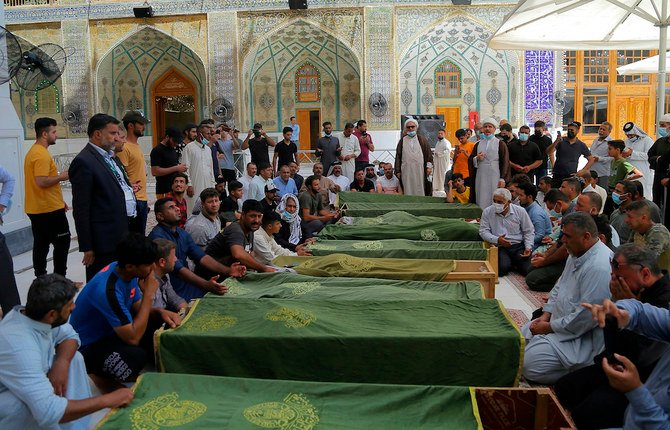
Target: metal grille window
(596,66)
(307,84)
(630,56)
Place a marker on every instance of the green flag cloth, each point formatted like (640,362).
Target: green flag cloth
(435,229)
(392,217)
(401,248)
(214,402)
(440,210)
(424,342)
(357,267)
(293,286)
(355,197)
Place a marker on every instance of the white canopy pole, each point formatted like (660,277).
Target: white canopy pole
(662,48)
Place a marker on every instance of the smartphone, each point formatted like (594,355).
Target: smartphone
(558,133)
(611,334)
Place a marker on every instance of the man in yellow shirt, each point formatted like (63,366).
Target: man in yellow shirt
(132,159)
(457,192)
(44,200)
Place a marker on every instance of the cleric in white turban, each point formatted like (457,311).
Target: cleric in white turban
(488,163)
(413,157)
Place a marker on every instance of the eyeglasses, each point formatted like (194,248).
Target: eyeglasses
(616,265)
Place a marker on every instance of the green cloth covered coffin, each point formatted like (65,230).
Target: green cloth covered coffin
(356,197)
(440,210)
(213,402)
(424,342)
(392,217)
(357,267)
(403,227)
(294,286)
(401,248)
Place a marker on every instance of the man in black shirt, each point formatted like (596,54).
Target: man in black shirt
(258,145)
(543,142)
(229,211)
(524,156)
(361,183)
(269,203)
(286,151)
(165,161)
(236,241)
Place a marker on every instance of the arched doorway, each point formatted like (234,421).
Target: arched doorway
(173,97)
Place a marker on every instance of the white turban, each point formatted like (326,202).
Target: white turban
(665,118)
(411,120)
(491,121)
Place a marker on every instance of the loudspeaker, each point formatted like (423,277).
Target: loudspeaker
(143,12)
(297,4)
(429,125)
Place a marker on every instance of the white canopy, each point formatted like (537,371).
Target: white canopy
(647,66)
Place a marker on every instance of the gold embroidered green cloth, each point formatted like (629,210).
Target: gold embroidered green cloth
(392,217)
(401,248)
(440,210)
(213,402)
(357,267)
(425,342)
(294,286)
(355,197)
(398,225)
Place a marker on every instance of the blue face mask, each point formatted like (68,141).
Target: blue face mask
(663,132)
(616,197)
(411,133)
(482,136)
(554,214)
(523,137)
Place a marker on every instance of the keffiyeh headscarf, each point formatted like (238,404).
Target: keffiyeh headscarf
(632,128)
(292,219)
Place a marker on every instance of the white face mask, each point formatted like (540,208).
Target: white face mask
(498,207)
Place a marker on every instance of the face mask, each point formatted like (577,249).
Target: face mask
(327,135)
(523,137)
(411,133)
(538,133)
(482,136)
(286,215)
(554,214)
(498,207)
(506,138)
(616,198)
(571,134)
(663,132)
(635,138)
(489,137)
(380,172)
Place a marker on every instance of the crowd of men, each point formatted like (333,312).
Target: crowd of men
(584,235)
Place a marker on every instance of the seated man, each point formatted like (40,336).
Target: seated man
(538,216)
(648,406)
(204,226)
(361,184)
(43,381)
(543,186)
(593,403)
(388,183)
(325,184)
(186,283)
(571,187)
(179,184)
(166,297)
(338,179)
(231,207)
(623,196)
(284,182)
(258,184)
(457,191)
(509,227)
(565,337)
(235,244)
(314,215)
(115,317)
(266,248)
(591,181)
(655,237)
(269,202)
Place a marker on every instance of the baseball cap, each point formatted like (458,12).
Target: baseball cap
(133,116)
(270,188)
(175,134)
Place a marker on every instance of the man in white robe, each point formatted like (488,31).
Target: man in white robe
(413,158)
(338,178)
(441,161)
(197,157)
(637,147)
(565,338)
(350,149)
(490,162)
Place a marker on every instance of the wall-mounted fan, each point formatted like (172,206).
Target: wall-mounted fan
(72,116)
(377,104)
(222,110)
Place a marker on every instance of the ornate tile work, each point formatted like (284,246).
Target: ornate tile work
(380,68)
(539,80)
(77,86)
(223,56)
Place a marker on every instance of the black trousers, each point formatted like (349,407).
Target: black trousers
(50,228)
(594,404)
(101,260)
(9,294)
(510,258)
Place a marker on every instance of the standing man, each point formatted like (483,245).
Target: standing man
(489,163)
(226,146)
(659,148)
(9,294)
(295,136)
(103,201)
(462,152)
(44,201)
(328,146)
(190,135)
(246,179)
(165,161)
(568,150)
(599,150)
(477,129)
(442,160)
(350,149)
(197,158)
(543,143)
(365,142)
(524,156)
(412,161)
(286,151)
(132,159)
(259,145)
(638,144)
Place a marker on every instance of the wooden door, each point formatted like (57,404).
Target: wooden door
(302,118)
(171,83)
(635,109)
(452,120)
